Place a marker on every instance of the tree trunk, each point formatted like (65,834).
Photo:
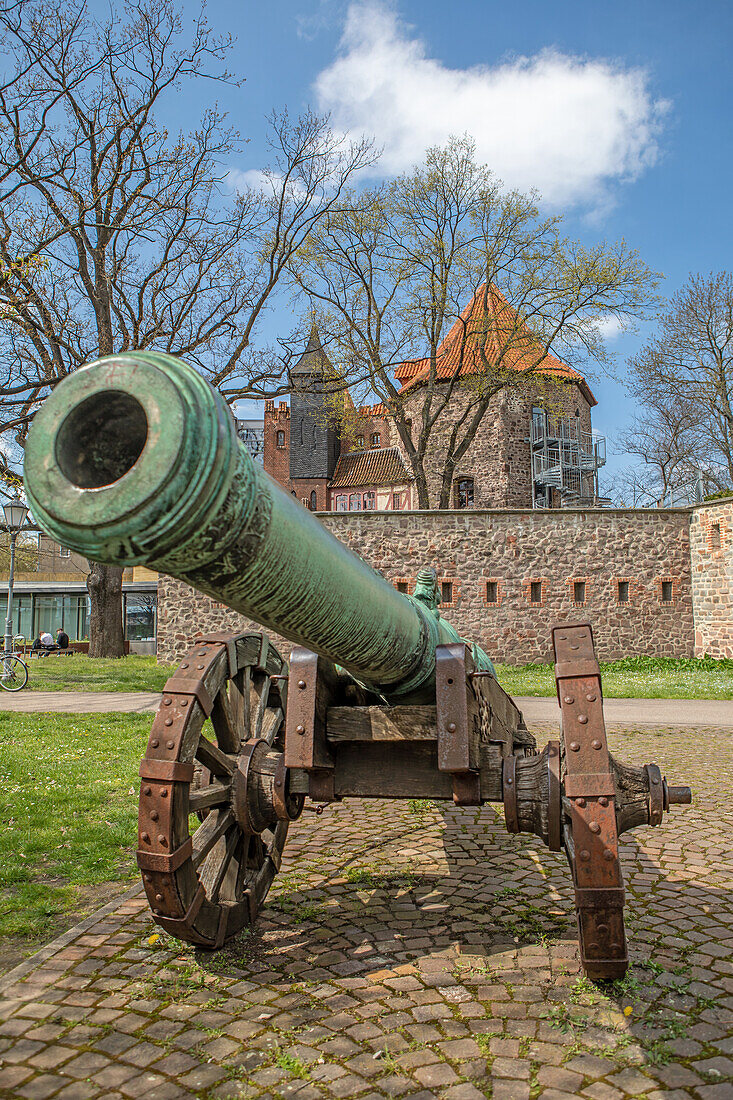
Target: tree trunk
(106,637)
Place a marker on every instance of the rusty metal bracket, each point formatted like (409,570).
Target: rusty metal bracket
(310,692)
(656,794)
(156,861)
(169,771)
(509,788)
(228,640)
(589,785)
(457,717)
(183,685)
(554,797)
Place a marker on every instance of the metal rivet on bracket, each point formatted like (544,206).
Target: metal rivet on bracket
(509,781)
(591,698)
(164,792)
(169,721)
(582,718)
(574,746)
(147,790)
(185,664)
(199,667)
(162,840)
(594,827)
(569,699)
(580,802)
(585,856)
(603,928)
(154,815)
(158,897)
(300,730)
(655,779)
(148,878)
(597,744)
(145,837)
(608,855)
(603,801)
(170,744)
(301,684)
(167,701)
(451,727)
(154,743)
(183,702)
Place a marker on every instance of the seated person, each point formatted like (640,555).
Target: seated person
(47,642)
(36,644)
(62,638)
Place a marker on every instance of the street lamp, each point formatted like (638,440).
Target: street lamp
(15,514)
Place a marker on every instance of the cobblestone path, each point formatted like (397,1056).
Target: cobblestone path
(411,950)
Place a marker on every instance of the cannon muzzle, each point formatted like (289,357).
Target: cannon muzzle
(135,459)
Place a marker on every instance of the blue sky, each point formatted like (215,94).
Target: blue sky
(619,114)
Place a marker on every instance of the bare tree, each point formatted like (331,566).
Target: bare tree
(689,363)
(391,271)
(115,235)
(665,438)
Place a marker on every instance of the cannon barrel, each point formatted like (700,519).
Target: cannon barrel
(135,459)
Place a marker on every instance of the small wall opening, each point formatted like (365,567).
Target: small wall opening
(579,591)
(715,536)
(401,586)
(623,591)
(446,592)
(492,591)
(535,592)
(667,591)
(101,439)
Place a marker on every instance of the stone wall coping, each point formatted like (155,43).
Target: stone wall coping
(534,512)
(712,503)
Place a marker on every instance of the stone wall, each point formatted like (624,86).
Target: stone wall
(512,575)
(499,457)
(711,551)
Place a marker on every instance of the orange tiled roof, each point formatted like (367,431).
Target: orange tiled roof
(381,466)
(488,329)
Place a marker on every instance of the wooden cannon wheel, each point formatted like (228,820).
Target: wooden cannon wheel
(206,887)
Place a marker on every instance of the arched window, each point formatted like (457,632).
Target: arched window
(376,441)
(313,500)
(360,442)
(464,492)
(280,439)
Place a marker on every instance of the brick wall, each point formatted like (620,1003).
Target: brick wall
(277,459)
(711,552)
(514,550)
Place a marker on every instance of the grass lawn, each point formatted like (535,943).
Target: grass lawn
(634,678)
(81,673)
(68,820)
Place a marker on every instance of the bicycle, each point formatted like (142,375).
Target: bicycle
(14,672)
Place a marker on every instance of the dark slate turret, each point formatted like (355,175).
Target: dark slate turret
(314,436)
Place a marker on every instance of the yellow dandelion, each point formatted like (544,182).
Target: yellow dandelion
(155,937)
(628,1010)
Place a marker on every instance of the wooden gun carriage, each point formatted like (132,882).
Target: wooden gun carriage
(135,460)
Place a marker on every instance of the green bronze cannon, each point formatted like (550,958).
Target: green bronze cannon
(135,460)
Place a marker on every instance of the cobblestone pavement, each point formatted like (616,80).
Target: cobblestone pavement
(410,950)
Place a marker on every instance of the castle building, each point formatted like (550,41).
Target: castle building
(535,446)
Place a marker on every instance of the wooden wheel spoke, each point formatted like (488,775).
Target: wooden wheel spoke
(212,757)
(211,831)
(263,693)
(212,795)
(271,725)
(239,692)
(228,736)
(233,840)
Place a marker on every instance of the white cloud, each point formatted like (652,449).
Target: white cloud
(610,327)
(569,126)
